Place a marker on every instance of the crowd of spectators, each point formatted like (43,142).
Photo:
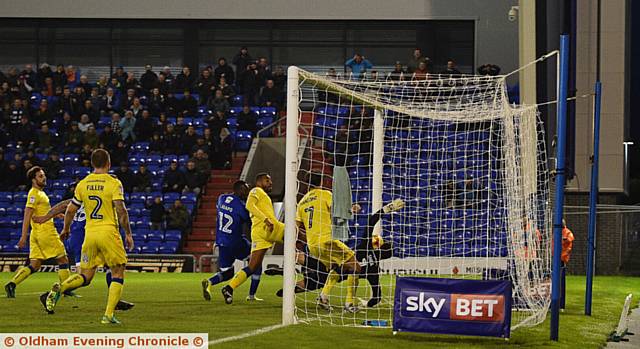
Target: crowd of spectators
(57,110)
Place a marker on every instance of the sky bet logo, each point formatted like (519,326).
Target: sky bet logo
(445,306)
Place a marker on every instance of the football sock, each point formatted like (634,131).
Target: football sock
(72,282)
(107,275)
(352,283)
(240,278)
(22,274)
(221,276)
(332,279)
(115,291)
(63,272)
(255,282)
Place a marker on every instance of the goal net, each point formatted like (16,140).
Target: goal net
(470,169)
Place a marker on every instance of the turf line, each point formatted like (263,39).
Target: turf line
(246,335)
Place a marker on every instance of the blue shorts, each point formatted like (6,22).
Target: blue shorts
(228,254)
(74,244)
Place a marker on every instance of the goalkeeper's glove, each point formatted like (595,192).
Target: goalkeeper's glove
(394,205)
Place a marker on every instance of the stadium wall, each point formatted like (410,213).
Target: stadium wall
(496,36)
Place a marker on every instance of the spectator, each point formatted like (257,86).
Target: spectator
(4,168)
(189,104)
(48,89)
(108,139)
(24,135)
(120,75)
(189,140)
(111,102)
(149,79)
(156,145)
(218,102)
(358,65)
(127,126)
(205,86)
(181,127)
(69,103)
(29,76)
(85,156)
(115,124)
(53,165)
(43,114)
(163,86)
(421,73)
(201,145)
(249,83)
(91,137)
(102,85)
(65,126)
(279,79)
(13,178)
(227,90)
(223,70)
(137,108)
(45,140)
(128,99)
(247,120)
(59,76)
(44,73)
(158,213)
(73,76)
(489,69)
(90,110)
(241,60)
(193,180)
(398,73)
(142,179)
(178,217)
(121,153)
(173,105)
(144,127)
(132,83)
(184,81)
(416,59)
(224,150)
(264,72)
(451,68)
(202,163)
(270,96)
(169,78)
(173,180)
(126,176)
(567,246)
(161,123)
(16,113)
(171,140)
(86,86)
(156,102)
(216,122)
(117,86)
(85,123)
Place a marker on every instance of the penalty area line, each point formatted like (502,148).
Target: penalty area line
(246,335)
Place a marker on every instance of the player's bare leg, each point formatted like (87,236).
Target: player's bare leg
(255,263)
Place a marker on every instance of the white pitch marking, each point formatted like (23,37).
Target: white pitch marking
(246,335)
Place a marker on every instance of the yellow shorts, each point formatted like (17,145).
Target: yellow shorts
(261,239)
(332,253)
(102,247)
(45,244)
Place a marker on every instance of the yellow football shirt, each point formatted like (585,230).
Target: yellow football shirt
(39,202)
(260,207)
(314,211)
(98,192)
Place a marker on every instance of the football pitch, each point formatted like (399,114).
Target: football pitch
(174,303)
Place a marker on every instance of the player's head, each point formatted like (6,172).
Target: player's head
(241,189)
(100,159)
(315,180)
(263,180)
(37,177)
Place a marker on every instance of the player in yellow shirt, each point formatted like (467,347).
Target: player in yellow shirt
(103,199)
(313,216)
(265,231)
(44,241)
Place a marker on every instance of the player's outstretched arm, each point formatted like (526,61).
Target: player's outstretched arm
(26,220)
(123,219)
(57,209)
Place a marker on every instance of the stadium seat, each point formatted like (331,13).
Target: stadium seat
(167,159)
(6,197)
(189,198)
(172,235)
(237,100)
(149,249)
(141,147)
(169,198)
(232,123)
(243,140)
(268,112)
(233,111)
(155,235)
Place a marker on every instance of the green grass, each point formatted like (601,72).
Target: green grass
(173,303)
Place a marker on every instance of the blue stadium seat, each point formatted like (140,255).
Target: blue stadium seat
(182,160)
(268,112)
(262,123)
(233,111)
(6,196)
(169,198)
(153,160)
(15,210)
(71,159)
(232,123)
(155,235)
(243,140)
(172,235)
(189,198)
(237,100)
(168,248)
(141,147)
(149,249)
(20,197)
(167,159)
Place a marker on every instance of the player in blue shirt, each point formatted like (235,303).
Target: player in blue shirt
(232,244)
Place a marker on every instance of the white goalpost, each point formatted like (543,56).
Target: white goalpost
(470,168)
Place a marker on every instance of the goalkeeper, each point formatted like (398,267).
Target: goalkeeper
(369,252)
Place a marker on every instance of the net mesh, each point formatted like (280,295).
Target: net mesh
(470,169)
